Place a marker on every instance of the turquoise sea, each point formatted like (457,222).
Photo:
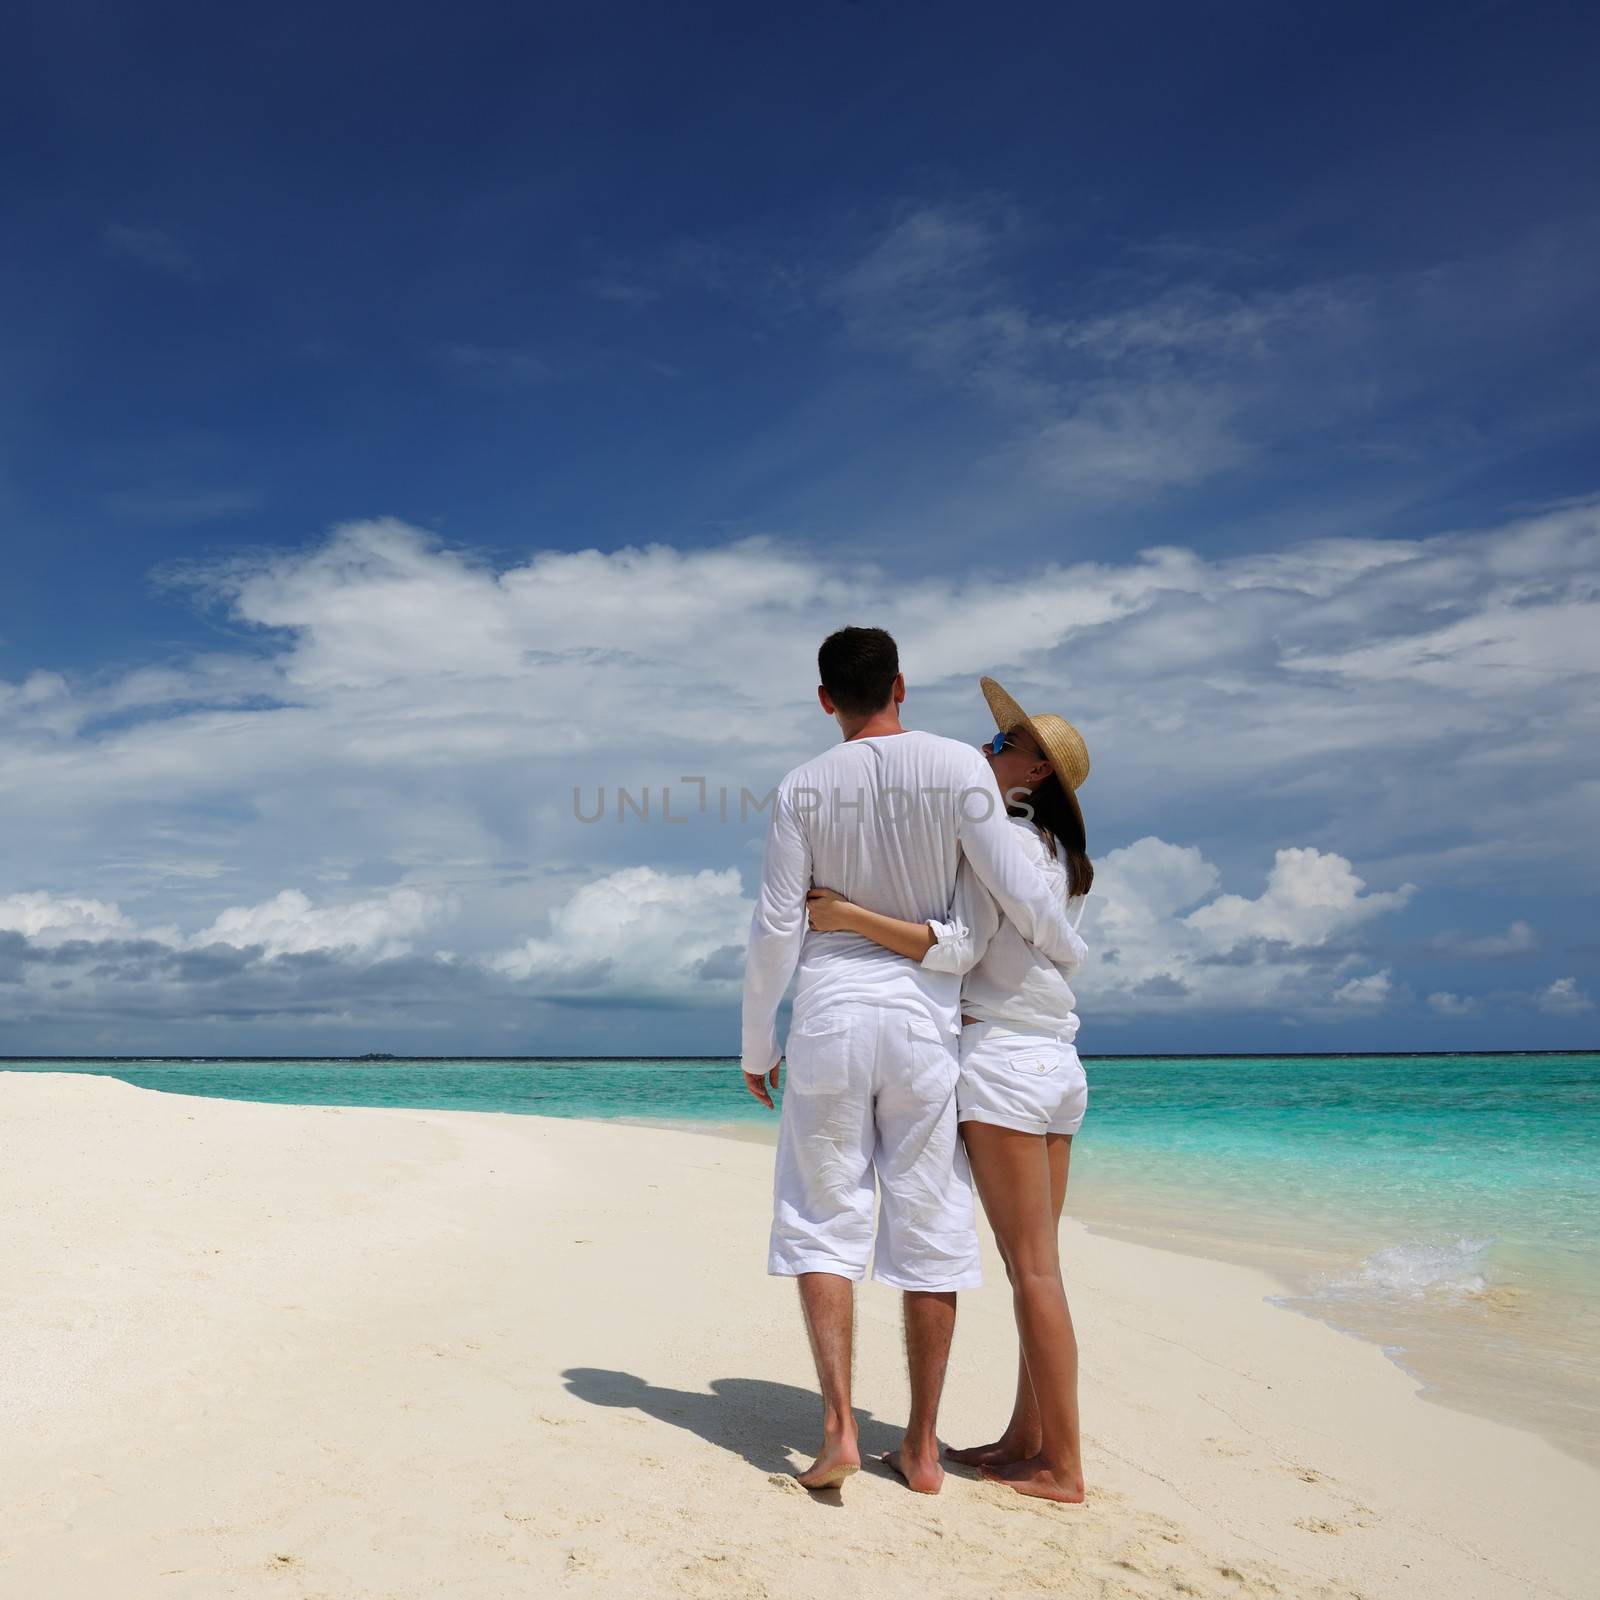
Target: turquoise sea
(1446,1207)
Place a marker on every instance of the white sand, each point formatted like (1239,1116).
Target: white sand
(308,1352)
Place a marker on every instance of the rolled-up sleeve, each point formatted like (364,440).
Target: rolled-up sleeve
(951,950)
(1001,861)
(960,943)
(777,930)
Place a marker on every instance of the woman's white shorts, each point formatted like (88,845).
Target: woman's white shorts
(1030,1081)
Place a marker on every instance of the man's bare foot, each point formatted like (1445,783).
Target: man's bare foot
(1001,1453)
(921,1471)
(1034,1477)
(839,1458)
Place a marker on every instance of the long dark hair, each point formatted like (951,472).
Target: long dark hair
(1057,820)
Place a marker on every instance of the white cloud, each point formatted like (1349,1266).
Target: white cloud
(1128,385)
(393,713)
(1153,880)
(917,262)
(1507,643)
(287,974)
(1309,897)
(1518,939)
(644,935)
(1564,998)
(376,929)
(1373,990)
(1287,947)
(1453,1005)
(53,920)
(1136,439)
(392,656)
(641,934)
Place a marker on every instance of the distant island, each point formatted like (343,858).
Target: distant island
(377,1055)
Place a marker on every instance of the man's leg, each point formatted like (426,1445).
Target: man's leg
(823,1192)
(828,1302)
(927,1232)
(930,1322)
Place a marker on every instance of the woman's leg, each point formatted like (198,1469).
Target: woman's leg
(1021,1437)
(1018,1181)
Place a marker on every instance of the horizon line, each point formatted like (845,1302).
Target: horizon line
(384,1059)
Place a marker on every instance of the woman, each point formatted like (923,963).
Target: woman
(1021,1094)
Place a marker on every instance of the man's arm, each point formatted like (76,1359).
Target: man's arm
(777,929)
(1069,969)
(1001,861)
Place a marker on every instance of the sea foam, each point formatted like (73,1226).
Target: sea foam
(1416,1270)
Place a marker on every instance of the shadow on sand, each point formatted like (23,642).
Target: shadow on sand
(753,1418)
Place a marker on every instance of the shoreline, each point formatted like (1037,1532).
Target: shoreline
(1484,1324)
(380,1352)
(1448,1372)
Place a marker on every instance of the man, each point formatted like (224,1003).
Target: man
(873,1045)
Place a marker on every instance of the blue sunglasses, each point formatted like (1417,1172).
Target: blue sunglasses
(1001,741)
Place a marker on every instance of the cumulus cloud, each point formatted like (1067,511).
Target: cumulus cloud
(288,960)
(645,936)
(1564,998)
(373,929)
(1312,664)
(1291,945)
(1309,897)
(395,713)
(640,934)
(1372,990)
(51,920)
(378,929)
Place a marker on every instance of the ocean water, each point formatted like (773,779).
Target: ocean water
(1445,1207)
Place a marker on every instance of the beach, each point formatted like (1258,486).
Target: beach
(340,1352)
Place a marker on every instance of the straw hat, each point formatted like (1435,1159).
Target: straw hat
(1061,743)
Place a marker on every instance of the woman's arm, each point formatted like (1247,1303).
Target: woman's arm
(974,921)
(829,912)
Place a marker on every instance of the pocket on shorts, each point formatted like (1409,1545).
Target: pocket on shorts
(935,1055)
(1046,1060)
(818,1055)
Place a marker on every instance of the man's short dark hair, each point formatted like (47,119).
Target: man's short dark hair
(858,667)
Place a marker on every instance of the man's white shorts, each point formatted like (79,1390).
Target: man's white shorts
(1029,1080)
(870,1093)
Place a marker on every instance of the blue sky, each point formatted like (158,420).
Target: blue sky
(411,416)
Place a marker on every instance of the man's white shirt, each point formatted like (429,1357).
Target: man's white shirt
(886,820)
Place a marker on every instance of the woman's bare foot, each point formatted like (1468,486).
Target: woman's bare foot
(840,1457)
(921,1471)
(1035,1477)
(1002,1452)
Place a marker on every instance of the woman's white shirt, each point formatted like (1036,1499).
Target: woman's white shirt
(1006,979)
